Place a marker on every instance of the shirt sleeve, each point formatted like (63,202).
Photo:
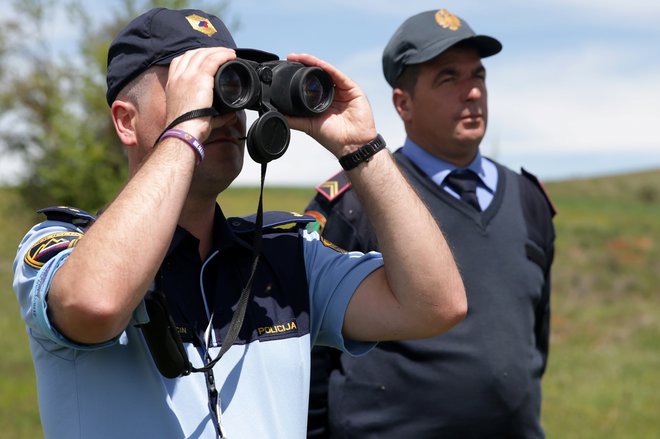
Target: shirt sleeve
(43,250)
(333,277)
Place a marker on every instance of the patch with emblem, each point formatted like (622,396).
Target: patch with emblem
(46,248)
(281,330)
(334,186)
(201,24)
(319,224)
(447,20)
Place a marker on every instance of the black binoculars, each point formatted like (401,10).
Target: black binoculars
(274,89)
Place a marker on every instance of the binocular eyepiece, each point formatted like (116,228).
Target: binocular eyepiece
(295,89)
(274,89)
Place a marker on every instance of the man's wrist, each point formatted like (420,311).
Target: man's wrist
(191,140)
(362,154)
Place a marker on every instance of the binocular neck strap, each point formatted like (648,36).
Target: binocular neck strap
(194,114)
(238,316)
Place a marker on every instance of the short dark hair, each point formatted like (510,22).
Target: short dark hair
(408,78)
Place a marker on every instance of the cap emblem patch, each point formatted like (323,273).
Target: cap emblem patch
(447,20)
(201,24)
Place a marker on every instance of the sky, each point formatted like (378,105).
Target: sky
(574,93)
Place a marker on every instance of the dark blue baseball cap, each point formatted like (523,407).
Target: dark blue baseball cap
(158,36)
(426,35)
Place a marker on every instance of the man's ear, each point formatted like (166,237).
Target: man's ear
(124,116)
(403,104)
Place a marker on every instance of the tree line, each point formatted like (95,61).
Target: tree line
(53,112)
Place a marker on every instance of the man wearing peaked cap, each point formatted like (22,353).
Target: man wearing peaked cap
(424,36)
(481,379)
(161,318)
(160,35)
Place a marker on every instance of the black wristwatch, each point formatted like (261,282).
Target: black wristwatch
(350,161)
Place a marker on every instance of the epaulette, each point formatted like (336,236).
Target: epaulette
(273,221)
(534,179)
(334,186)
(66,214)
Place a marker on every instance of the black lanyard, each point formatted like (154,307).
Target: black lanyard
(161,334)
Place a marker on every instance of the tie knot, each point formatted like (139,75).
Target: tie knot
(464,182)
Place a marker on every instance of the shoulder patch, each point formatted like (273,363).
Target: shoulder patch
(534,179)
(66,214)
(334,186)
(319,224)
(49,246)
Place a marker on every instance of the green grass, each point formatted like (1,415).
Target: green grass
(604,371)
(243,200)
(603,378)
(19,417)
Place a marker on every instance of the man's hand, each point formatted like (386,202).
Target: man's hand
(348,123)
(419,293)
(190,87)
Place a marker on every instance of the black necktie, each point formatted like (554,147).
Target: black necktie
(465,185)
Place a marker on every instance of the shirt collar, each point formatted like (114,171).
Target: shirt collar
(437,169)
(223,237)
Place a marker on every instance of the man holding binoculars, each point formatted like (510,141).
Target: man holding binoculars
(129,313)
(274,88)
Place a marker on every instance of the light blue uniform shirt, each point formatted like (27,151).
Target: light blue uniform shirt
(114,390)
(437,169)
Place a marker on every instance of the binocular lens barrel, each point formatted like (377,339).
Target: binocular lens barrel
(294,89)
(276,89)
(231,86)
(235,86)
(298,90)
(315,90)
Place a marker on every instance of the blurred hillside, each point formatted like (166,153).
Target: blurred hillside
(604,371)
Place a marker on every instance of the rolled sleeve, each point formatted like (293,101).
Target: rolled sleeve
(333,278)
(32,285)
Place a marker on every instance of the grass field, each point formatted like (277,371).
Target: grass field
(603,379)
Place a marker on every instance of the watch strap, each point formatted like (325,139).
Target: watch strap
(363,154)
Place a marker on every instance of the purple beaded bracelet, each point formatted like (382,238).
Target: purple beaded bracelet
(189,139)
